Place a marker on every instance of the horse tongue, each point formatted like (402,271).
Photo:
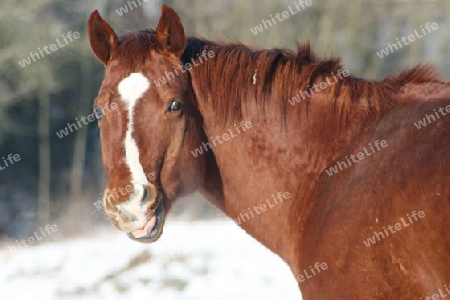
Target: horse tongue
(139,233)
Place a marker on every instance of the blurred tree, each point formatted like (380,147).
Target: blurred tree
(32,30)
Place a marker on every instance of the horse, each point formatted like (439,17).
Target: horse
(343,178)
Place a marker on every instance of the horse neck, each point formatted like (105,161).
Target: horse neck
(252,169)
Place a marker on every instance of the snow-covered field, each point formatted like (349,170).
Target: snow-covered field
(192,260)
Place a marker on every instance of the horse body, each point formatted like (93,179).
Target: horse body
(269,169)
(380,191)
(326,214)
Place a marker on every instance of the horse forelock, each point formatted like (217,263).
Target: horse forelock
(133,50)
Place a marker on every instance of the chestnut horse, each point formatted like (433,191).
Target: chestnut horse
(343,178)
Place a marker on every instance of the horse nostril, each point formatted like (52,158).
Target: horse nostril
(144,197)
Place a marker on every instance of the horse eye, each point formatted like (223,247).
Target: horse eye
(174,105)
(99,112)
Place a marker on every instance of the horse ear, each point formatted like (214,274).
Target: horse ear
(102,37)
(170,32)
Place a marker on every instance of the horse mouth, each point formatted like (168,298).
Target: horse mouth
(153,229)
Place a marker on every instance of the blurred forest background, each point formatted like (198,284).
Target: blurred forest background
(60,179)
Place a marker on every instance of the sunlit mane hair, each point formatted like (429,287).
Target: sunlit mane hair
(280,74)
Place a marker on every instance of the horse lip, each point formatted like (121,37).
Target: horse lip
(153,235)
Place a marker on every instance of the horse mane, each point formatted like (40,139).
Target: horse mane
(282,73)
(270,75)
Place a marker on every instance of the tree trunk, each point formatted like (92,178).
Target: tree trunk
(79,151)
(44,157)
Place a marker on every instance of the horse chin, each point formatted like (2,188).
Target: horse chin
(153,229)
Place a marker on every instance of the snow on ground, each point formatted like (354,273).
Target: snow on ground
(192,261)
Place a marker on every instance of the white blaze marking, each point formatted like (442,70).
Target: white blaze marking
(131,89)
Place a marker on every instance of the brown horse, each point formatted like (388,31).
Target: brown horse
(343,178)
